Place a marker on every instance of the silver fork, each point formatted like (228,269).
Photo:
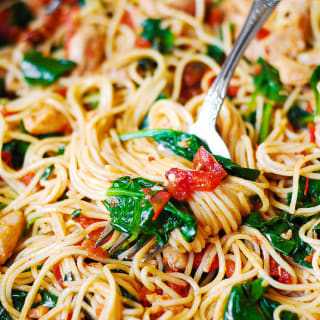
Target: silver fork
(205,126)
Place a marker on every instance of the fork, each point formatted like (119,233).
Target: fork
(205,126)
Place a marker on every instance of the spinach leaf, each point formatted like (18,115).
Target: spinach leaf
(161,39)
(298,117)
(246,302)
(125,293)
(2,88)
(39,70)
(75,214)
(68,276)
(92,99)
(314,82)
(18,298)
(60,151)
(216,53)
(4,314)
(266,122)
(272,230)
(186,145)
(20,15)
(48,299)
(18,149)
(47,172)
(131,212)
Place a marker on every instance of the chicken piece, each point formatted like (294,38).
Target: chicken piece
(11,227)
(86,48)
(291,72)
(46,120)
(175,259)
(310,58)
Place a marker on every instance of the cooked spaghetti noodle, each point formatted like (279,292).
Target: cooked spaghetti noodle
(61,152)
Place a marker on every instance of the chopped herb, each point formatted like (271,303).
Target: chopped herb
(132,213)
(60,151)
(18,149)
(293,247)
(20,15)
(39,266)
(49,300)
(47,172)
(161,39)
(314,83)
(92,99)
(298,117)
(39,70)
(18,298)
(68,277)
(246,302)
(216,53)
(75,214)
(63,196)
(186,145)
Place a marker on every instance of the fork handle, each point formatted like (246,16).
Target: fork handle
(259,12)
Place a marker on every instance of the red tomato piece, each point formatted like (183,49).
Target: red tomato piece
(193,74)
(274,268)
(232,91)
(215,17)
(94,253)
(182,183)
(142,43)
(207,162)
(62,91)
(198,258)
(230,267)
(143,295)
(85,222)
(285,277)
(57,274)
(262,33)
(158,202)
(38,312)
(305,191)
(26,179)
(312,130)
(183,291)
(127,19)
(277,272)
(6,157)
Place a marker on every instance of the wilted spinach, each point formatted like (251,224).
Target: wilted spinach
(314,82)
(298,117)
(18,149)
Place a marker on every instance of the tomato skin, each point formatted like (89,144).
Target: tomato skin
(127,20)
(183,291)
(230,267)
(57,274)
(312,132)
(94,253)
(207,162)
(285,277)
(86,222)
(142,43)
(6,157)
(193,74)
(182,183)
(262,33)
(158,202)
(233,91)
(38,312)
(26,179)
(215,17)
(198,258)
(276,272)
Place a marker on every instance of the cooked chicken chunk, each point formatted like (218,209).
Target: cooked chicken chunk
(175,259)
(46,120)
(11,227)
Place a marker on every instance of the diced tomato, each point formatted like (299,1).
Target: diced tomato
(230,267)
(182,183)
(126,19)
(142,43)
(215,17)
(26,179)
(94,253)
(312,130)
(158,202)
(309,108)
(309,257)
(198,258)
(143,295)
(85,222)
(38,312)
(232,91)
(190,8)
(262,33)
(183,291)
(6,157)
(57,274)
(62,91)
(211,81)
(5,112)
(277,272)
(305,191)
(207,162)
(193,74)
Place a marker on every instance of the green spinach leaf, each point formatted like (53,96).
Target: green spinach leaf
(4,314)
(75,214)
(47,172)
(186,145)
(160,38)
(216,53)
(39,70)
(18,298)
(18,149)
(314,83)
(131,212)
(48,299)
(298,117)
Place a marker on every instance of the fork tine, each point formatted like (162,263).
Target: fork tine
(128,254)
(153,251)
(120,241)
(104,235)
